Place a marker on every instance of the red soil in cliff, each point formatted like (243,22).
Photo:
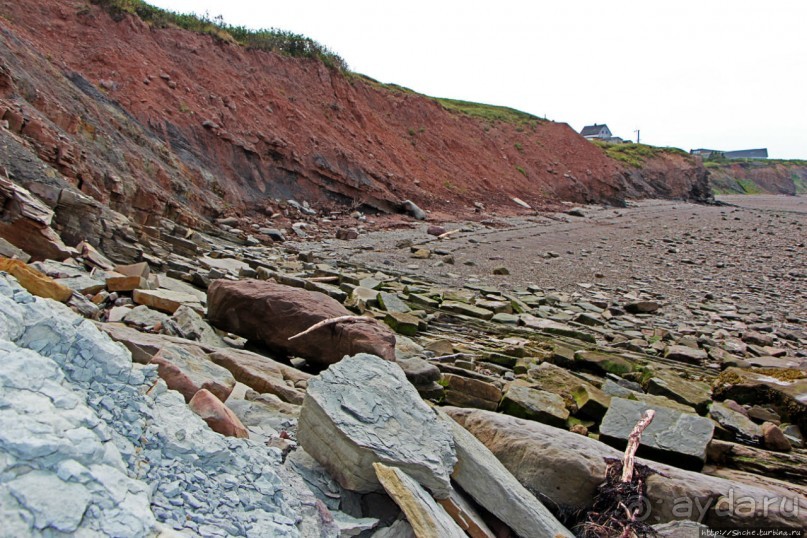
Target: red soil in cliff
(227,128)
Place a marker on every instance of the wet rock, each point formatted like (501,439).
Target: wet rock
(673,437)
(220,419)
(363,410)
(271,313)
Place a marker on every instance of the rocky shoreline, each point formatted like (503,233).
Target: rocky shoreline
(482,409)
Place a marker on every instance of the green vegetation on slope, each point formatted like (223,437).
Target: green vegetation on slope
(489,113)
(634,154)
(265,39)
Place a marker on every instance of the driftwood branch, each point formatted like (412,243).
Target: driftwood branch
(332,321)
(633,444)
(447,234)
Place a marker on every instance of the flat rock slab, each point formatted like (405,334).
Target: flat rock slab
(187,369)
(673,437)
(686,354)
(144,317)
(488,481)
(464,309)
(468,392)
(271,313)
(554,327)
(363,410)
(688,392)
(262,374)
(126,283)
(535,404)
(428,519)
(166,300)
(582,398)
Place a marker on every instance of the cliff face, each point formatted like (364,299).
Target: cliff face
(669,175)
(774,177)
(165,123)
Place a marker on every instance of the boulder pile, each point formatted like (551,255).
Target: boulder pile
(240,389)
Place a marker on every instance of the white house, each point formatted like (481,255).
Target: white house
(597,132)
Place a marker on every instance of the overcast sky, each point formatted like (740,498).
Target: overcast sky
(721,74)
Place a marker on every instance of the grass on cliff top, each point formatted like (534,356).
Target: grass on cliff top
(270,39)
(635,154)
(489,113)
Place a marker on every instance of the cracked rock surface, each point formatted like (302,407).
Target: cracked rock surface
(92,445)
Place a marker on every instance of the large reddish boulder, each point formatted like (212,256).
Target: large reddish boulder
(270,313)
(217,415)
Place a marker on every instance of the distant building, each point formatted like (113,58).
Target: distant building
(596,132)
(761,153)
(705,153)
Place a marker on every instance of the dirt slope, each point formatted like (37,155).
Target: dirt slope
(166,123)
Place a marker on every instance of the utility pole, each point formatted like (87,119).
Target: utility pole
(637,135)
